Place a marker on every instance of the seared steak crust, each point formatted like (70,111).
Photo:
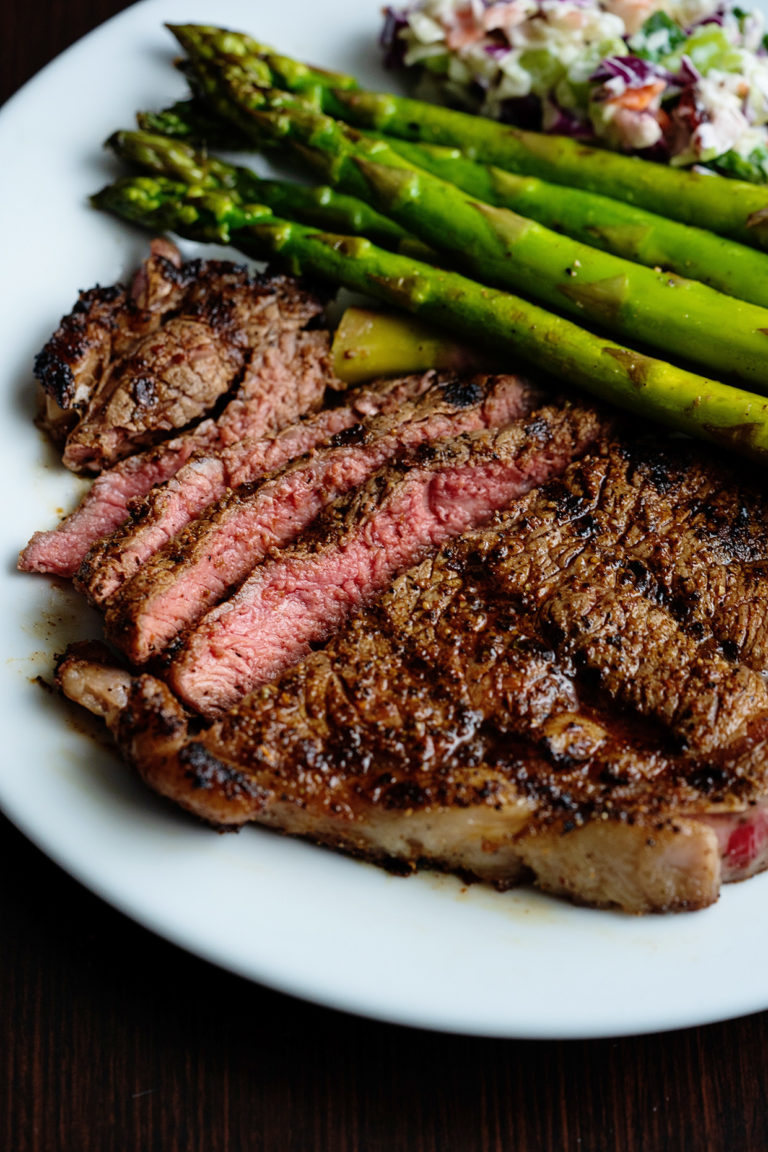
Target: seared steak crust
(76,357)
(571,569)
(101,328)
(126,369)
(286,378)
(170,379)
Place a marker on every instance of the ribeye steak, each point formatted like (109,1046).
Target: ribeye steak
(540,698)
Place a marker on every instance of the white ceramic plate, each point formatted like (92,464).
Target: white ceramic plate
(425,951)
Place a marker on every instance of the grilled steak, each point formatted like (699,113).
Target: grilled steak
(61,550)
(102,327)
(199,567)
(544,697)
(286,377)
(540,644)
(168,508)
(441,727)
(353,550)
(137,366)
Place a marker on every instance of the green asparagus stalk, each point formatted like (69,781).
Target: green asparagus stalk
(320,206)
(370,343)
(732,208)
(611,225)
(517,329)
(627,231)
(366,344)
(271,69)
(681,317)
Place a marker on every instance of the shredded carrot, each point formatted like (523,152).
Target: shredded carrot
(638,99)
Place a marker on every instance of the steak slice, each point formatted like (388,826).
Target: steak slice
(127,369)
(168,508)
(170,380)
(102,327)
(410,506)
(174,375)
(286,379)
(61,550)
(203,564)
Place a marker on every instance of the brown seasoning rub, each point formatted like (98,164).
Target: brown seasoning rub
(128,368)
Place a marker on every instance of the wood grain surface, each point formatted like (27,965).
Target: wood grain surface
(111,1039)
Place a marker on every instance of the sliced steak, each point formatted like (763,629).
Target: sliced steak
(128,368)
(530,701)
(503,765)
(61,550)
(170,380)
(173,376)
(203,564)
(159,283)
(100,329)
(285,380)
(167,509)
(410,506)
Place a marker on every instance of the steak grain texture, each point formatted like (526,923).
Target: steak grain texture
(101,328)
(137,366)
(209,476)
(408,507)
(200,566)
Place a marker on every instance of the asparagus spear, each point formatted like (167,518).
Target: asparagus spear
(369,343)
(678,316)
(611,225)
(321,206)
(272,70)
(627,231)
(517,329)
(732,208)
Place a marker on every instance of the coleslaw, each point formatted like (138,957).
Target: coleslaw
(683,81)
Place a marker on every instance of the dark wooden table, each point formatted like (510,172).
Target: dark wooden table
(113,1039)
